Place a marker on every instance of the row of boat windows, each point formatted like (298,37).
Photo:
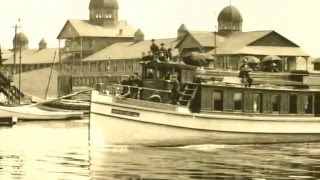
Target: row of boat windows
(258,100)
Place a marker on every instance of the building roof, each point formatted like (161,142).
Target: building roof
(98,4)
(35,56)
(129,50)
(84,28)
(206,38)
(183,27)
(138,32)
(240,43)
(6,54)
(43,41)
(230,14)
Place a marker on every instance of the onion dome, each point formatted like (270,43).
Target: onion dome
(21,37)
(230,13)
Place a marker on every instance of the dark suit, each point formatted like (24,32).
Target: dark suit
(154,49)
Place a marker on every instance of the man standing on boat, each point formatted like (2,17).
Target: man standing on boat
(154,48)
(163,53)
(175,90)
(137,82)
(244,74)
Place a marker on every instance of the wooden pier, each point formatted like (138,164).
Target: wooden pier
(8,121)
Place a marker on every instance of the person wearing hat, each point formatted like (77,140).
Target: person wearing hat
(154,48)
(244,73)
(163,53)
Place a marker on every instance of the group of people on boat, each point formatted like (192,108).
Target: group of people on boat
(157,53)
(131,86)
(245,68)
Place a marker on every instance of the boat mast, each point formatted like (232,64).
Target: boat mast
(54,57)
(20,68)
(15,46)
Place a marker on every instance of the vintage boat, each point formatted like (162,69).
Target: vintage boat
(33,113)
(214,108)
(75,105)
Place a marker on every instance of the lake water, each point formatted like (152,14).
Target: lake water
(60,150)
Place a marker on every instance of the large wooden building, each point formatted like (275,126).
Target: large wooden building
(101,46)
(85,37)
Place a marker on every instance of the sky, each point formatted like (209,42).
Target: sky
(294,19)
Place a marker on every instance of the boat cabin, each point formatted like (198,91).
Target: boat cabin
(259,100)
(224,96)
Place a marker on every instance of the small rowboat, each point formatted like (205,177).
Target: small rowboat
(34,113)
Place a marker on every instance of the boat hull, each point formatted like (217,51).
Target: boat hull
(33,113)
(123,124)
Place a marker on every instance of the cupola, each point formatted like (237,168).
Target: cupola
(138,36)
(104,12)
(20,41)
(42,44)
(230,20)
(182,31)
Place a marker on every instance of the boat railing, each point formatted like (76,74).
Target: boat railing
(142,93)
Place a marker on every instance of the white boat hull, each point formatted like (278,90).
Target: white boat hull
(123,124)
(34,113)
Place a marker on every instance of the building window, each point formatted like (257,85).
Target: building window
(293,104)
(115,66)
(238,101)
(275,103)
(218,100)
(257,103)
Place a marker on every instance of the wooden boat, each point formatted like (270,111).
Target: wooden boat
(34,113)
(69,104)
(213,109)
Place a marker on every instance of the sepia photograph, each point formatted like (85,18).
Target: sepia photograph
(159,90)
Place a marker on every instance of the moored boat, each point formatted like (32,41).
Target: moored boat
(33,113)
(218,110)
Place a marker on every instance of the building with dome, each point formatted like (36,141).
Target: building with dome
(20,41)
(85,37)
(103,45)
(230,44)
(230,20)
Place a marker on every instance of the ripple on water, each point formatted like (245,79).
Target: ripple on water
(60,150)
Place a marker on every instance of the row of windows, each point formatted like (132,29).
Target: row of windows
(101,67)
(108,16)
(91,81)
(258,99)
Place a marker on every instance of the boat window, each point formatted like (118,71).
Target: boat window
(308,101)
(217,100)
(316,104)
(149,73)
(238,101)
(275,102)
(257,103)
(293,106)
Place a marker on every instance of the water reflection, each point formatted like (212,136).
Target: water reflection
(60,150)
